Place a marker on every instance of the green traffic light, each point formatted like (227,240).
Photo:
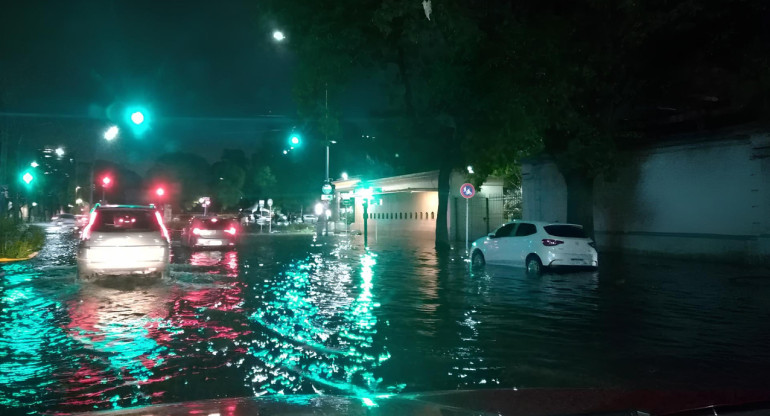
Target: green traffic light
(137,117)
(27,178)
(294,140)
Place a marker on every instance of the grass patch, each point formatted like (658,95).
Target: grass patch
(19,240)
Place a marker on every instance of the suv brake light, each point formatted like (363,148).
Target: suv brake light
(230,230)
(162,226)
(87,230)
(196,231)
(550,242)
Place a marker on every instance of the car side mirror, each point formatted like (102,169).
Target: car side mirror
(491,235)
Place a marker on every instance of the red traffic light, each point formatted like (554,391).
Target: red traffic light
(160,191)
(106,181)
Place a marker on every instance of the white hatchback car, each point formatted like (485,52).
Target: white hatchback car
(536,245)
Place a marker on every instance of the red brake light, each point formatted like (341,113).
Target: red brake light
(549,242)
(230,230)
(87,230)
(162,226)
(196,231)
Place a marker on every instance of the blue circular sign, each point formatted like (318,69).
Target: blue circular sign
(467,190)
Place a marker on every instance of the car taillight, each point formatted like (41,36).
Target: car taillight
(87,231)
(230,230)
(549,242)
(196,231)
(162,226)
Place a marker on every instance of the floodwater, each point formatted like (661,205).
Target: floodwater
(287,315)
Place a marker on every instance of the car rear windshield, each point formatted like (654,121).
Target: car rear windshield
(117,220)
(216,223)
(565,231)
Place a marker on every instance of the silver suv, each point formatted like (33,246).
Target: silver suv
(124,239)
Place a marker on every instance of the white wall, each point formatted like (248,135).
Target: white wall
(708,199)
(544,193)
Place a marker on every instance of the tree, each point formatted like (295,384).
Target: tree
(426,60)
(586,80)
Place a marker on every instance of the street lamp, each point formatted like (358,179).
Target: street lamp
(278,35)
(34,164)
(137,117)
(59,151)
(111,133)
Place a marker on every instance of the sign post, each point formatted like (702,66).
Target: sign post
(327,194)
(270,215)
(261,206)
(467,191)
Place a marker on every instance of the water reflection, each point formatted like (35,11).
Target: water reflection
(322,334)
(286,315)
(116,336)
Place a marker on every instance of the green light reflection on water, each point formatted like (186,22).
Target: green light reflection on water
(28,335)
(323,333)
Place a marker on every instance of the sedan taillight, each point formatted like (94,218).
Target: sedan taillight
(196,231)
(550,242)
(230,230)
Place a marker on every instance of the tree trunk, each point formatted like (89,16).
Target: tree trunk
(442,231)
(580,201)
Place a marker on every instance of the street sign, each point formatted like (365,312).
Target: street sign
(327,197)
(467,190)
(327,189)
(270,202)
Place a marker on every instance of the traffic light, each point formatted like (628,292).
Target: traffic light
(27,178)
(106,181)
(295,140)
(138,119)
(160,191)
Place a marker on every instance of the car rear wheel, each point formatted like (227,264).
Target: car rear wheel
(534,265)
(477,259)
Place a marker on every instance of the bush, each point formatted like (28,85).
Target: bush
(19,240)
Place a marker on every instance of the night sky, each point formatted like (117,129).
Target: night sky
(210,73)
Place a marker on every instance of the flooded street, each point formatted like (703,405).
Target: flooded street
(297,315)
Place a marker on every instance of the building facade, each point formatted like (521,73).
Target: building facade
(409,205)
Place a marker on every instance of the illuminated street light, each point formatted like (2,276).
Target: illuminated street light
(344,176)
(319,209)
(59,151)
(470,169)
(285,151)
(111,133)
(278,35)
(34,164)
(79,201)
(137,117)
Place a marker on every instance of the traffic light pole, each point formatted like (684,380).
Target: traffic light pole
(366,226)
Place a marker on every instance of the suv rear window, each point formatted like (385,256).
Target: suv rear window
(565,231)
(121,220)
(216,223)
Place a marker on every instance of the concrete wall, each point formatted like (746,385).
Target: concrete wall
(544,192)
(706,198)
